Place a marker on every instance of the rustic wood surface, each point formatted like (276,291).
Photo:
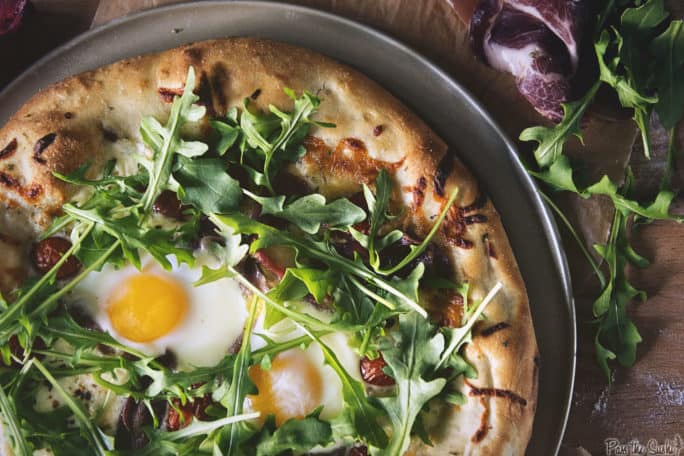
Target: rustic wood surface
(644,402)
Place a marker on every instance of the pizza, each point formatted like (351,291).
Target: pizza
(243,247)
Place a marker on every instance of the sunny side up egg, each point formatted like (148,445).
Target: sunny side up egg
(298,380)
(155,311)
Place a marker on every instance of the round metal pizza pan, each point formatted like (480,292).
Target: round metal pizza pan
(449,109)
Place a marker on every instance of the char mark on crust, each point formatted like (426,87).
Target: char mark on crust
(463,243)
(194,55)
(255,94)
(489,248)
(479,203)
(217,79)
(537,41)
(494,328)
(109,135)
(482,431)
(168,94)
(34,191)
(7,180)
(497,392)
(454,228)
(40,146)
(378,129)
(9,149)
(475,218)
(446,165)
(204,92)
(419,192)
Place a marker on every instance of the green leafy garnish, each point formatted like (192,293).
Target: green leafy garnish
(411,357)
(362,415)
(642,64)
(311,211)
(276,137)
(165,141)
(294,436)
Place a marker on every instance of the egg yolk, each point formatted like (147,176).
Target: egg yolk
(291,388)
(147,306)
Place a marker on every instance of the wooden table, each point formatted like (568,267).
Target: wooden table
(644,402)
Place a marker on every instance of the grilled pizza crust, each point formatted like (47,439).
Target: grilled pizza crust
(94,116)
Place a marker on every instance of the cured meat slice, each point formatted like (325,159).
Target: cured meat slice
(537,41)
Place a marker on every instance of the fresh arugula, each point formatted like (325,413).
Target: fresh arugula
(99,441)
(362,415)
(321,251)
(274,137)
(297,436)
(311,211)
(552,139)
(668,51)
(411,355)
(205,184)
(459,336)
(641,62)
(12,426)
(231,436)
(164,141)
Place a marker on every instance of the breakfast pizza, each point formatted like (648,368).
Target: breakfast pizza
(240,247)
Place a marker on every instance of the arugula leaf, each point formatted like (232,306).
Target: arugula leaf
(658,209)
(240,385)
(377,208)
(258,130)
(229,134)
(315,281)
(459,336)
(420,248)
(132,236)
(637,26)
(164,141)
(616,336)
(410,356)
(609,72)
(311,211)
(668,50)
(18,443)
(552,139)
(626,88)
(99,441)
(294,435)
(204,183)
(361,413)
(268,236)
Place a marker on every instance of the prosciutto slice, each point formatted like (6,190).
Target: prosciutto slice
(537,41)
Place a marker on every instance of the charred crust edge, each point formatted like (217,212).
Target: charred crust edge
(40,146)
(9,149)
(494,328)
(444,168)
